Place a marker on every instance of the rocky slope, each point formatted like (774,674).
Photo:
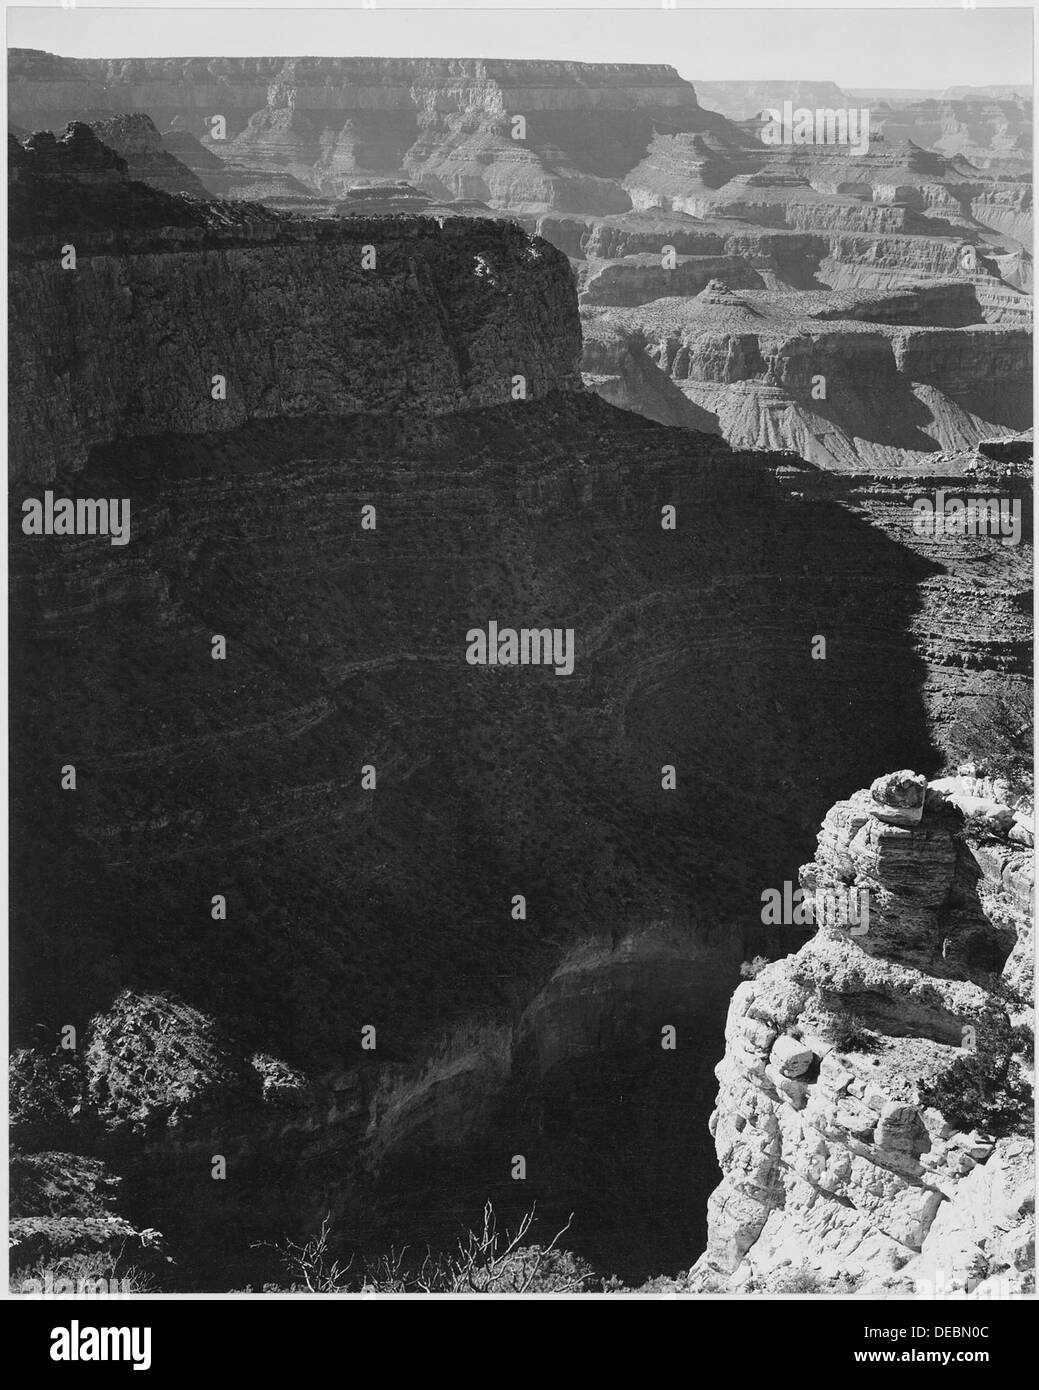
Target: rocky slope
(989,129)
(847,380)
(148,159)
(873,1122)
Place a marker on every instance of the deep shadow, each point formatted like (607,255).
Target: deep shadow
(346,907)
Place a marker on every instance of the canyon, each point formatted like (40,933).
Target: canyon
(652,195)
(355,382)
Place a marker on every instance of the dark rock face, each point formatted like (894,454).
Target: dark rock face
(78,153)
(148,160)
(75,184)
(371,316)
(329,675)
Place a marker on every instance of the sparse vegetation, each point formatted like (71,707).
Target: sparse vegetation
(850,1033)
(997,736)
(807,1281)
(485,1260)
(86,1274)
(980,1092)
(751,969)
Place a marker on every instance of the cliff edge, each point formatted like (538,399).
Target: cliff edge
(875,1102)
(144,313)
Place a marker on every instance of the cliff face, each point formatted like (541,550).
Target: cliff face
(874,1110)
(354,341)
(740,100)
(330,318)
(136,140)
(985,126)
(614,164)
(894,390)
(988,128)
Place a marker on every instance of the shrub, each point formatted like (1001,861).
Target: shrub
(484,1261)
(997,736)
(751,969)
(92,1275)
(982,1093)
(849,1033)
(980,827)
(810,1281)
(798,1281)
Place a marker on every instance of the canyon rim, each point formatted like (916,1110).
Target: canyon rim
(355,399)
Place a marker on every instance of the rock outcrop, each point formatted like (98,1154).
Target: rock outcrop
(148,160)
(850,381)
(874,1112)
(353,316)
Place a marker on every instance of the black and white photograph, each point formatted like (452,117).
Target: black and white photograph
(520,738)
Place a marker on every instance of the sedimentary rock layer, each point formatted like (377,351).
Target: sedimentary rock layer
(361,315)
(873,1115)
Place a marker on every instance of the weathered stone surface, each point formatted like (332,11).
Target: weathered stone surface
(790,1056)
(135,139)
(898,798)
(289,315)
(854,1175)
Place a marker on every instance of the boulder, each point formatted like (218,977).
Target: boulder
(790,1057)
(898,797)
(993,815)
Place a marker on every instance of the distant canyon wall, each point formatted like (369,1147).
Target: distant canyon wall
(445,123)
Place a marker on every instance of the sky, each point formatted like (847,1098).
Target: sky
(934,47)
